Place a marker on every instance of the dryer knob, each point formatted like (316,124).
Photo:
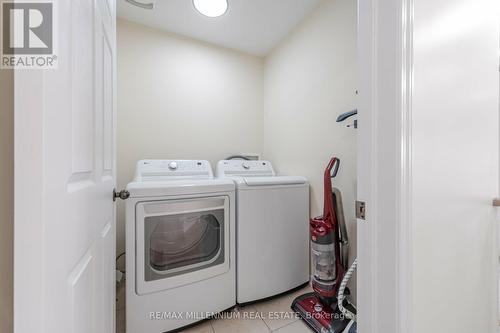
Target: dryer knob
(173,165)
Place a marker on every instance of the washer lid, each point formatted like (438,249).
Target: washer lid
(277,180)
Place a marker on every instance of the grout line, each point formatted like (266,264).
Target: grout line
(212,326)
(290,323)
(268,328)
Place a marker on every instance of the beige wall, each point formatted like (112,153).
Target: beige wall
(6,199)
(179,98)
(310,78)
(183,99)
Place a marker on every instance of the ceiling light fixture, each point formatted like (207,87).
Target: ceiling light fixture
(211,8)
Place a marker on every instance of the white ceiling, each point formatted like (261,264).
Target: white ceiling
(251,26)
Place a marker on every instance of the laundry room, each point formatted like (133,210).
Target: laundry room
(252,99)
(249,166)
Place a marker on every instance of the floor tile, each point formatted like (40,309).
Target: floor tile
(296,327)
(242,320)
(204,327)
(277,312)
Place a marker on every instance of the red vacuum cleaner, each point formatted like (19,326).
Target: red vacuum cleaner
(321,310)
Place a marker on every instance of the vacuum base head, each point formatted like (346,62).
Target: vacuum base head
(319,317)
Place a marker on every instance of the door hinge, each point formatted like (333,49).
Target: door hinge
(361,210)
(123,194)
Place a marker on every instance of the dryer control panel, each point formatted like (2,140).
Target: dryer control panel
(228,168)
(158,170)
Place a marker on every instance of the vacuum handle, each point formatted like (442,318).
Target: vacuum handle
(330,172)
(334,166)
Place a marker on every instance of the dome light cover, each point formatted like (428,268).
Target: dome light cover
(211,8)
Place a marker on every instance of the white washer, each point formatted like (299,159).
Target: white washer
(272,229)
(180,237)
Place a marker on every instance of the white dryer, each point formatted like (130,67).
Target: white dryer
(180,237)
(272,229)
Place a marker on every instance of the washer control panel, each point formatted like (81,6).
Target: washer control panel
(228,168)
(157,170)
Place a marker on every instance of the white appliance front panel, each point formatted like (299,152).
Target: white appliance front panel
(184,275)
(272,240)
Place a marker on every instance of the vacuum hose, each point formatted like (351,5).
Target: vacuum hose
(343,285)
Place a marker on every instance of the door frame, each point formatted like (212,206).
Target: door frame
(385,240)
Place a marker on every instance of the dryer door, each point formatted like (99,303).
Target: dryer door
(180,242)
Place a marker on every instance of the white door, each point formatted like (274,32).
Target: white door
(64,177)
(428,165)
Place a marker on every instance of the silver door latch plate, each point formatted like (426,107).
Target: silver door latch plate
(360,210)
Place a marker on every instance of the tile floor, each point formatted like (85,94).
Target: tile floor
(264,317)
